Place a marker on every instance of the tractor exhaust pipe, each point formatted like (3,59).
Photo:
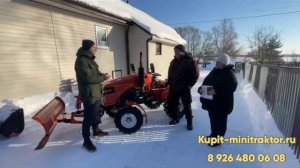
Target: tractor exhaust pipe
(141,72)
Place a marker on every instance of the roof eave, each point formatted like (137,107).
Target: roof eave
(84,9)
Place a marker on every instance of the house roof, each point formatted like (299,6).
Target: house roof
(125,11)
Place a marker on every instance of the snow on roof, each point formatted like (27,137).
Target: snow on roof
(128,12)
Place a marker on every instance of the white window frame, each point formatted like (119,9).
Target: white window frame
(98,43)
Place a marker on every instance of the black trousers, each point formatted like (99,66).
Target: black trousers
(218,123)
(186,98)
(90,120)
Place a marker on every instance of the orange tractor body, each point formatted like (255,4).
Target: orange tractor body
(121,100)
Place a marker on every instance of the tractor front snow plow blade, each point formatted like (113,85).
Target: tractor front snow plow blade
(47,117)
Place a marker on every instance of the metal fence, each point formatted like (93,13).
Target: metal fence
(279,87)
(281,64)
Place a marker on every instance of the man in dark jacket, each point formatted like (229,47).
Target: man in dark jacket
(89,80)
(183,74)
(224,83)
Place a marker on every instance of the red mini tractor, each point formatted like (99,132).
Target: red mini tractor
(121,100)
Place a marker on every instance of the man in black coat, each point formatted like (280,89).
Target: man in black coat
(182,75)
(224,83)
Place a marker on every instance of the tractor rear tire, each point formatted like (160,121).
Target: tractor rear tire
(151,102)
(112,113)
(128,120)
(180,109)
(152,105)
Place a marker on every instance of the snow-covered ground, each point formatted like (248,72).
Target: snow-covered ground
(156,145)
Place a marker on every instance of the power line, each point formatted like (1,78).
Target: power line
(265,10)
(237,18)
(252,11)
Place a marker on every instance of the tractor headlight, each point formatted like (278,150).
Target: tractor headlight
(108,90)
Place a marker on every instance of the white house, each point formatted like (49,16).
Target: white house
(39,40)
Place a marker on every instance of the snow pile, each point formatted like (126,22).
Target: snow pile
(259,114)
(32,105)
(128,12)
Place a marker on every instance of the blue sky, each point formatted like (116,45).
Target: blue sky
(189,12)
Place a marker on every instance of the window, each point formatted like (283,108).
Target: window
(101,37)
(158,49)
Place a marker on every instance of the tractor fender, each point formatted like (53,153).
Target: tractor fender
(133,103)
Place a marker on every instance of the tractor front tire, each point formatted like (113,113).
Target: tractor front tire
(128,120)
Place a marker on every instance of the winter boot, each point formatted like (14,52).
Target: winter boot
(189,124)
(89,146)
(215,144)
(175,117)
(98,132)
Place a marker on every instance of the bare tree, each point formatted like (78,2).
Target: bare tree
(206,47)
(224,38)
(265,43)
(192,37)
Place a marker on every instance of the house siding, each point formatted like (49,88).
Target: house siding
(70,28)
(38,44)
(27,49)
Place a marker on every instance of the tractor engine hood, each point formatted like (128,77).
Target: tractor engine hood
(133,79)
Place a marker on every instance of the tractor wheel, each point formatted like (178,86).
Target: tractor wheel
(181,114)
(129,120)
(151,103)
(179,109)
